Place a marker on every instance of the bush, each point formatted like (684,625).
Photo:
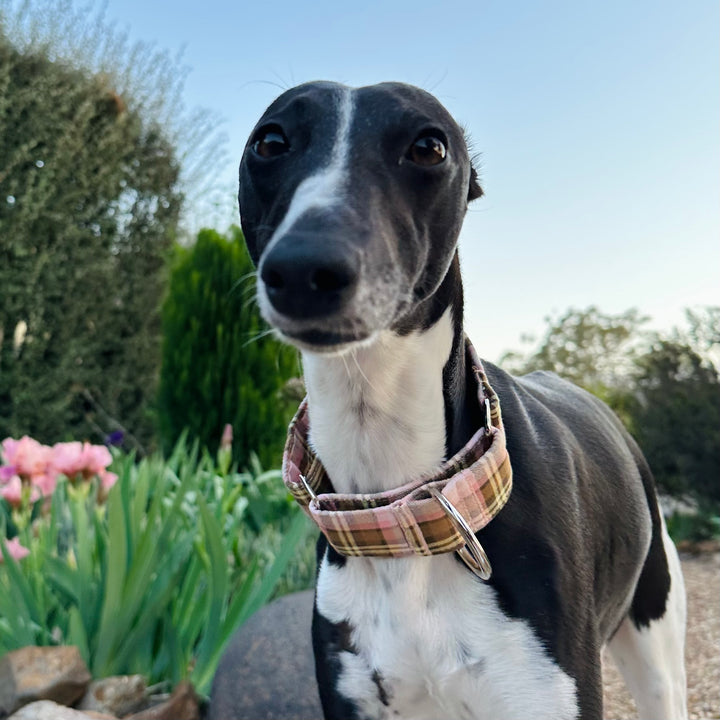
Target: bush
(698,527)
(676,420)
(219,364)
(156,580)
(95,158)
(89,205)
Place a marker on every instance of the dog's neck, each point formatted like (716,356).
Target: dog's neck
(386,413)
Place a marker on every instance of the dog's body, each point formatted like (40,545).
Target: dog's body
(351,203)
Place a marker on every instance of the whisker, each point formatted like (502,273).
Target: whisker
(353,354)
(347,369)
(241,280)
(259,336)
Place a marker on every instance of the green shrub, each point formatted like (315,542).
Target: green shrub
(703,525)
(89,203)
(219,364)
(156,580)
(676,420)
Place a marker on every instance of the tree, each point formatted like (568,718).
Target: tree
(219,363)
(90,198)
(666,390)
(591,349)
(676,419)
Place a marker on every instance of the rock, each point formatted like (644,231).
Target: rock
(181,705)
(41,673)
(48,710)
(267,671)
(118,696)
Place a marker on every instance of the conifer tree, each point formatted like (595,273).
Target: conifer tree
(220,364)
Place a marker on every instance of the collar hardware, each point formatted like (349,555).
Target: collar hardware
(472,553)
(427,516)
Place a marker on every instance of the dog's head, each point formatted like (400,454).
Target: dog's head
(351,202)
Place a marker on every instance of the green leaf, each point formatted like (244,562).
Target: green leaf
(76,634)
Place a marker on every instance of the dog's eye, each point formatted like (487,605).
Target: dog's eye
(427,150)
(270,142)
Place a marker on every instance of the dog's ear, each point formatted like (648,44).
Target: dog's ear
(474,191)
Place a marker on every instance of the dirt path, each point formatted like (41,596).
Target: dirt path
(702,651)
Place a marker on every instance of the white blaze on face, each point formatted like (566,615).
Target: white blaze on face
(324,189)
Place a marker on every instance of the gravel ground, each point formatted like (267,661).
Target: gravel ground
(702,649)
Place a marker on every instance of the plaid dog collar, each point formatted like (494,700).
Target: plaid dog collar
(427,516)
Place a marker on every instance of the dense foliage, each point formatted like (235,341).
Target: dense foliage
(676,419)
(97,152)
(665,389)
(156,579)
(219,363)
(89,205)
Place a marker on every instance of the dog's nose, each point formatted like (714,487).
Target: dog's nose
(309,280)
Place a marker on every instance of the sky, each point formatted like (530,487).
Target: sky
(596,126)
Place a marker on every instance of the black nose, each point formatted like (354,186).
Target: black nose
(309,279)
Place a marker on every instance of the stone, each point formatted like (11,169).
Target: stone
(119,695)
(48,710)
(183,704)
(41,673)
(267,671)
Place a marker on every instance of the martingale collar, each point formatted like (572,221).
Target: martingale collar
(427,516)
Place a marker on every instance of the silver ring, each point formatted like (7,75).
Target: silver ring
(472,552)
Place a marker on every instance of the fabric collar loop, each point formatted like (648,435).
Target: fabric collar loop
(408,520)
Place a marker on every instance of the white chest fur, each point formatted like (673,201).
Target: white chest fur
(429,639)
(377,413)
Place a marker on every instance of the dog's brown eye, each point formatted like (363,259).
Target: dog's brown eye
(427,150)
(270,142)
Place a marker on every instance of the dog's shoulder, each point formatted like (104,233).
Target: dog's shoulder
(548,413)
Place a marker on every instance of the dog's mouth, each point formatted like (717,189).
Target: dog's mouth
(324,342)
(335,333)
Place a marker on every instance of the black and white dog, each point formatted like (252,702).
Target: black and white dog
(351,202)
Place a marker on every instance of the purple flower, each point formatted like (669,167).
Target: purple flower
(115,438)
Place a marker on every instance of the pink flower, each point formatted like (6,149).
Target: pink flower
(45,483)
(16,550)
(97,458)
(107,479)
(31,462)
(227,437)
(27,455)
(73,458)
(67,458)
(12,491)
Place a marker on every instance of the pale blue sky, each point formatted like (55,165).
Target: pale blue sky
(597,125)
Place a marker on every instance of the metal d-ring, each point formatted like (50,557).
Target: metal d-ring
(472,552)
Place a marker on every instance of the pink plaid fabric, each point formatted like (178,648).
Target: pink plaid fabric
(407,520)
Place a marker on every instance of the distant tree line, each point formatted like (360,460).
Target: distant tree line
(666,390)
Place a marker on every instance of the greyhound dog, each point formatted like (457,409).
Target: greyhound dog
(351,202)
